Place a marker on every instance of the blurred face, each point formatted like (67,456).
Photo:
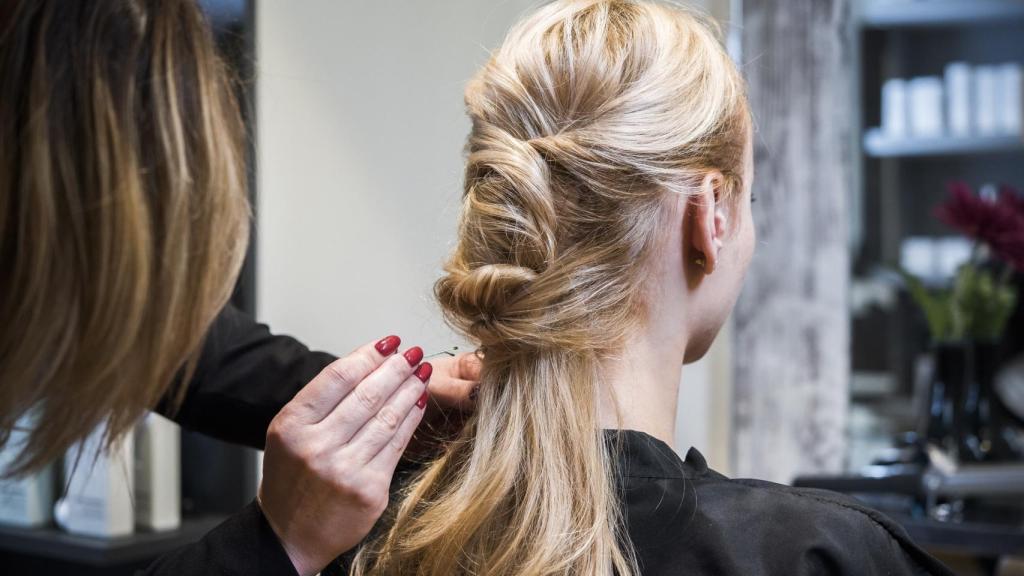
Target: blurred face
(711,297)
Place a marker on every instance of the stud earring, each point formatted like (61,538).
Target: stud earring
(700,261)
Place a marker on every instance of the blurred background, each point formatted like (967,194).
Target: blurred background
(876,349)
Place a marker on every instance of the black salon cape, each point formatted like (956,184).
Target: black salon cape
(682,517)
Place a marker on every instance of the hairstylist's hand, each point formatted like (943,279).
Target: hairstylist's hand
(332,450)
(453,382)
(452,400)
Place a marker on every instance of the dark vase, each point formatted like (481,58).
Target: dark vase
(971,403)
(950,374)
(993,426)
(964,414)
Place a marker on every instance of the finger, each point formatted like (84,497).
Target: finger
(318,398)
(387,458)
(453,394)
(367,398)
(454,380)
(380,431)
(468,367)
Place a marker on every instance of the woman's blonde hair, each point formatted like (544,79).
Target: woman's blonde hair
(123,210)
(590,114)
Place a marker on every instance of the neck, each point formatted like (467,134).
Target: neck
(644,382)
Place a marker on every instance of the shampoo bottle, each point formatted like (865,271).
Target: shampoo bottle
(157,474)
(25,501)
(99,482)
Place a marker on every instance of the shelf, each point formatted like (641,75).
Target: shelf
(935,13)
(55,544)
(965,537)
(879,145)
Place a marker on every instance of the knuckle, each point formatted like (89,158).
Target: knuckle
(341,481)
(367,397)
(274,433)
(281,434)
(398,444)
(365,490)
(378,508)
(343,372)
(372,500)
(388,417)
(308,453)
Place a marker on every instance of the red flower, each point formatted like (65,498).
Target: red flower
(1011,249)
(1011,197)
(998,223)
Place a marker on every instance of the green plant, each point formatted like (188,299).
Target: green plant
(978,304)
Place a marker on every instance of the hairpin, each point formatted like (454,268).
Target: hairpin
(449,352)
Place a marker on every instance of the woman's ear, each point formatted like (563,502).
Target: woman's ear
(709,222)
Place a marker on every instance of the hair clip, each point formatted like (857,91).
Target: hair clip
(451,352)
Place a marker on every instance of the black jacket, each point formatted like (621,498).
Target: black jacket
(682,517)
(244,377)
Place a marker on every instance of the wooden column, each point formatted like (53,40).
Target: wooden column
(791,352)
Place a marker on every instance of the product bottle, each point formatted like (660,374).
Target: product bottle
(26,501)
(157,474)
(99,483)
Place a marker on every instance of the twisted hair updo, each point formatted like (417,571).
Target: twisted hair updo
(581,126)
(590,115)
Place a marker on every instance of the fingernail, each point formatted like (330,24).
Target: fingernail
(423,397)
(424,372)
(388,345)
(414,355)
(474,392)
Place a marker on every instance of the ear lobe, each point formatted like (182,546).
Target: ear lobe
(708,222)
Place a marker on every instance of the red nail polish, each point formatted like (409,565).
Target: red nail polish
(423,397)
(424,371)
(388,345)
(414,355)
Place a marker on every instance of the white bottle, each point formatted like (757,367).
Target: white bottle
(1011,100)
(926,110)
(894,108)
(157,473)
(958,98)
(25,501)
(99,487)
(986,112)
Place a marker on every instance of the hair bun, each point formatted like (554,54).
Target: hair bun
(486,301)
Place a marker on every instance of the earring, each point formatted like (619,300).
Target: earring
(700,261)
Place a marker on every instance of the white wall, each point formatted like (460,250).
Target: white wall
(360,131)
(361,127)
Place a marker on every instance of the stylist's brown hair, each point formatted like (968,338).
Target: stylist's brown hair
(123,211)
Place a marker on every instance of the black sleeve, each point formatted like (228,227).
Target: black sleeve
(244,377)
(856,539)
(244,545)
(808,532)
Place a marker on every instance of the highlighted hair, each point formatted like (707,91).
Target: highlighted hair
(123,210)
(586,118)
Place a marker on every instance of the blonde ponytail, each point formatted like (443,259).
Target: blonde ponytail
(586,118)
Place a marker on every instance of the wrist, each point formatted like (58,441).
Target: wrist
(305,564)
